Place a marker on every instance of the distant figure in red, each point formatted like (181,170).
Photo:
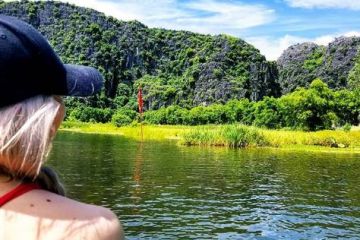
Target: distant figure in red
(140,100)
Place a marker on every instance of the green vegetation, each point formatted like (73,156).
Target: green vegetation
(315,60)
(233,135)
(89,114)
(354,75)
(244,136)
(123,117)
(312,109)
(167,63)
(151,132)
(315,108)
(195,79)
(336,64)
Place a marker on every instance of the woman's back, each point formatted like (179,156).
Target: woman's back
(39,214)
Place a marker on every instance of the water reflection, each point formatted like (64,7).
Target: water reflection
(162,190)
(136,193)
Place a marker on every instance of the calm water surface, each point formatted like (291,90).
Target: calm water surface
(163,191)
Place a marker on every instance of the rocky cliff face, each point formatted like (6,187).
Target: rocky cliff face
(302,63)
(292,72)
(263,80)
(174,67)
(244,76)
(339,59)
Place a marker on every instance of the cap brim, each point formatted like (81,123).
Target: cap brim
(82,81)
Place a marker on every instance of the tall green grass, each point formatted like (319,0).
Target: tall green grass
(235,136)
(326,138)
(227,135)
(245,136)
(150,132)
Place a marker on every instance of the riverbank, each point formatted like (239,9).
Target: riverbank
(232,136)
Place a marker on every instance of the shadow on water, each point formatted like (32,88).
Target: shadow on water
(162,190)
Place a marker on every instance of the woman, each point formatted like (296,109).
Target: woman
(32,202)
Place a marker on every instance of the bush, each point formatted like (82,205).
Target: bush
(119,119)
(309,109)
(207,115)
(347,127)
(241,136)
(128,112)
(266,113)
(176,115)
(347,107)
(156,117)
(235,110)
(89,114)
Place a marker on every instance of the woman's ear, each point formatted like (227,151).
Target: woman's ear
(53,131)
(58,118)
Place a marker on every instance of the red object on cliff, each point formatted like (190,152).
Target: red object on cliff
(140,100)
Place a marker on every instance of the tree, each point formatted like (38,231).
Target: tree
(309,109)
(267,113)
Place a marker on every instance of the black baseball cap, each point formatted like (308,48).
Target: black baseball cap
(29,67)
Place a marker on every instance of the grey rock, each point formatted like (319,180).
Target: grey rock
(337,61)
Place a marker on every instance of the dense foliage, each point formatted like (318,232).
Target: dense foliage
(174,67)
(315,108)
(193,79)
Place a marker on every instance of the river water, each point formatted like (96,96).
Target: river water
(161,190)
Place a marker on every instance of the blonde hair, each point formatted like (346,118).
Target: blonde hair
(25,135)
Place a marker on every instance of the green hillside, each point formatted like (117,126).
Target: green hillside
(174,67)
(190,78)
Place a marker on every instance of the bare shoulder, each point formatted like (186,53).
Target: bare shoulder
(92,222)
(70,218)
(101,224)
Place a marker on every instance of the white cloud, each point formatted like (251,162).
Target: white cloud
(203,16)
(228,15)
(326,39)
(348,4)
(133,9)
(272,48)
(352,34)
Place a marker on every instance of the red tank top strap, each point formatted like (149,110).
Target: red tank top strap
(18,191)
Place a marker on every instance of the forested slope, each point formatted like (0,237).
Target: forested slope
(193,78)
(174,67)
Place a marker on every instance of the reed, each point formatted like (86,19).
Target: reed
(225,135)
(236,136)
(327,138)
(151,132)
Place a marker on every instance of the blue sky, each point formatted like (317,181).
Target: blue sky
(270,25)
